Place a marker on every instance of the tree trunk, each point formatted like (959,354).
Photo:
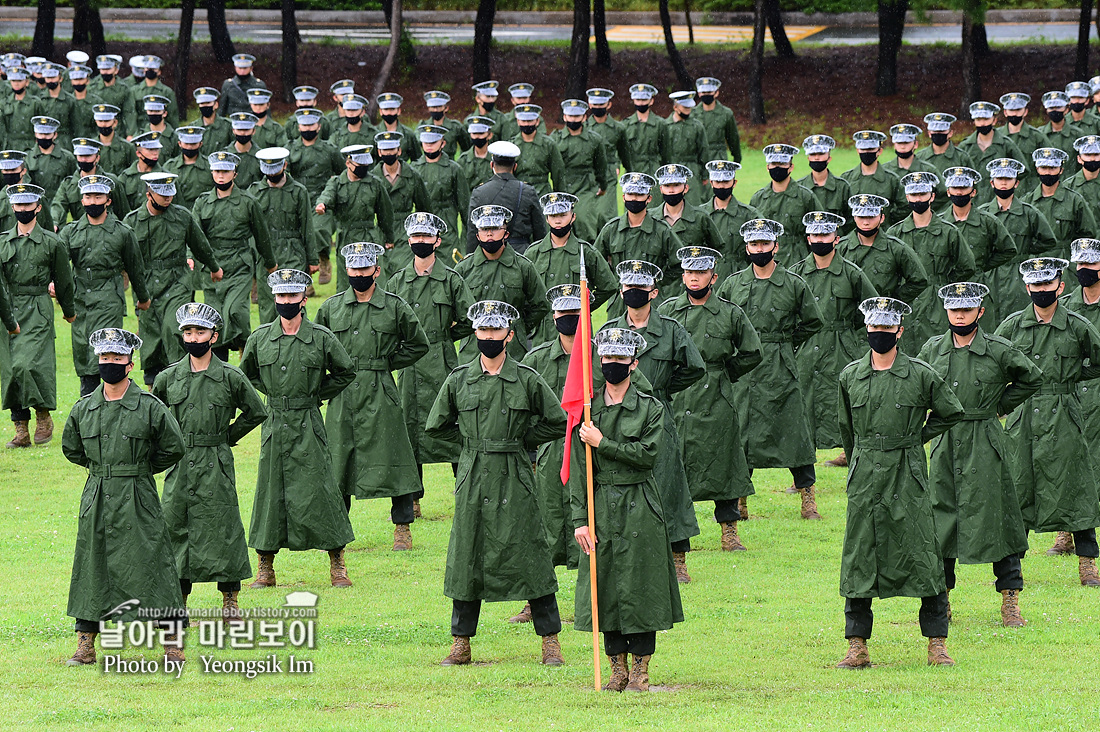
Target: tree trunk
(577,82)
(88,27)
(683,78)
(220,41)
(81,11)
(691,26)
(182,62)
(483,38)
(290,50)
(396,21)
(891,26)
(972,81)
(599,25)
(783,47)
(756,67)
(43,29)
(1084,30)
(981,41)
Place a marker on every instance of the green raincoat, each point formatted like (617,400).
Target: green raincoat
(787,207)
(585,173)
(363,213)
(652,241)
(561,266)
(511,278)
(289,217)
(1033,236)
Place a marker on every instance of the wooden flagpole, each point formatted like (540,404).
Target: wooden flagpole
(585,344)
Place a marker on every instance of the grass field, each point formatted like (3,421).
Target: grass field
(763,630)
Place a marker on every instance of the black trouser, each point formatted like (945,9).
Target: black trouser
(222,352)
(273,552)
(726,511)
(88,384)
(684,545)
(1007,571)
(420,471)
(21,415)
(859,620)
(640,644)
(187,585)
(544,616)
(401,508)
(804,476)
(1084,543)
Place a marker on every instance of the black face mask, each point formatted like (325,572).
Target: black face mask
(868,158)
(25,217)
(360,171)
(567,324)
(479,142)
(224,186)
(422,249)
(1049,179)
(491,247)
(1014,119)
(963,330)
(762,259)
(641,108)
(674,199)
(1045,298)
(904,155)
(706,98)
(352,121)
(389,118)
(868,232)
(574,125)
(105,130)
(11,179)
(698,294)
(615,372)
(94,211)
(1087,277)
(919,207)
(288,310)
(86,166)
(189,154)
(634,207)
(939,138)
(274,179)
(150,74)
(244,76)
(243,139)
(561,231)
(779,174)
(107,78)
(1056,116)
(1004,194)
(147,162)
(206,112)
(819,166)
(635,298)
(1077,106)
(260,115)
(961,200)
(983,129)
(154,119)
(196,349)
(881,341)
(436,115)
(44,144)
(822,248)
(528,129)
(361,283)
(387,159)
(1091,165)
(433,155)
(598,113)
(308,135)
(112,373)
(722,194)
(683,115)
(52,84)
(79,87)
(489,347)
(488,106)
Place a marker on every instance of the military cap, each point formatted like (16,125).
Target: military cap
(79,73)
(243,60)
(24,193)
(672,174)
(1005,168)
(780,153)
(152,62)
(305,93)
(983,110)
(1014,100)
(643,91)
(487,88)
(426,223)
(387,140)
(527,112)
(822,222)
(223,161)
(761,230)
(707,84)
(1081,250)
(389,100)
(342,87)
(361,254)
(697,259)
(359,154)
(1042,269)
(867,204)
(288,281)
(599,95)
(259,96)
(960,177)
(51,70)
(91,184)
(574,106)
(939,121)
(191,135)
(817,144)
(243,121)
(868,139)
(154,103)
(198,315)
(1094,84)
(557,203)
(11,159)
(104,112)
(522,90)
(16,73)
(920,182)
(722,170)
(905,133)
(1078,90)
(205,95)
(619,342)
(963,295)
(883,311)
(272,159)
(137,62)
(503,150)
(476,125)
(308,116)
(1049,157)
(1087,145)
(490,217)
(108,61)
(8,60)
(45,125)
(1055,99)
(636,273)
(436,98)
(161,183)
(352,102)
(430,133)
(34,63)
(148,140)
(85,146)
(566,297)
(683,98)
(491,314)
(114,340)
(77,56)
(637,183)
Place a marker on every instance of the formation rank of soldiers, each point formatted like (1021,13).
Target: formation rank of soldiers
(801,308)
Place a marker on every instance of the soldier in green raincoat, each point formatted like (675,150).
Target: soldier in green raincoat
(313,160)
(1060,131)
(218,132)
(101,248)
(248,167)
(389,111)
(771,411)
(1027,138)
(457,139)
(638,593)
(585,172)
(115,151)
(268,132)
(353,128)
(405,189)
(507,126)
(48,162)
(890,405)
(717,119)
(371,452)
(1086,181)
(123,436)
(832,192)
(31,259)
(616,150)
(987,143)
(540,162)
(17,109)
(838,287)
(236,228)
(942,153)
(476,163)
(693,227)
(727,213)
(497,409)
(1085,301)
(1070,216)
(297,364)
(714,453)
(671,363)
(1052,462)
(147,160)
(168,236)
(67,201)
(15,172)
(890,264)
(873,178)
(216,407)
(646,133)
(784,200)
(687,142)
(305,99)
(978,518)
(445,182)
(191,168)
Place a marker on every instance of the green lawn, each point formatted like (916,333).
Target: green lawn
(763,630)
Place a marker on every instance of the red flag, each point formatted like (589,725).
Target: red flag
(578,380)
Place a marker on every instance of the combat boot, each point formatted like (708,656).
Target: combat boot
(619,673)
(1086,569)
(809,505)
(1063,544)
(524,615)
(460,654)
(679,561)
(22,435)
(416,509)
(639,674)
(937,653)
(402,538)
(743,508)
(858,656)
(324,275)
(85,649)
(1010,609)
(551,651)
(43,427)
(173,651)
(338,571)
(731,542)
(840,461)
(231,611)
(265,573)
